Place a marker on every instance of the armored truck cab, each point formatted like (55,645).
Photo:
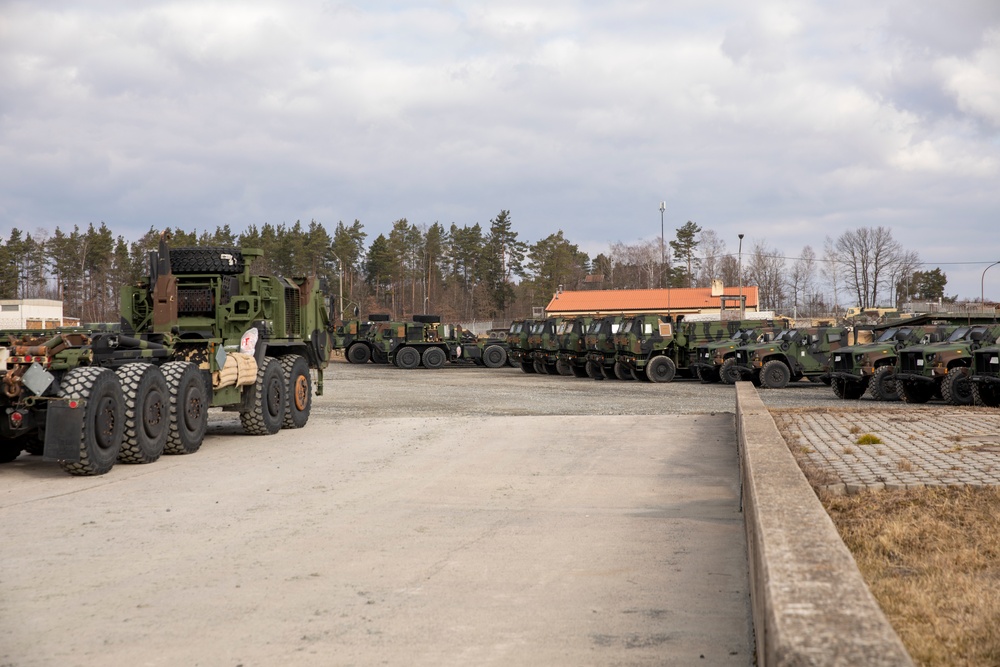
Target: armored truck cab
(986,376)
(599,340)
(791,355)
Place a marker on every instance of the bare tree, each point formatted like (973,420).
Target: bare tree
(713,251)
(764,269)
(832,270)
(870,257)
(800,278)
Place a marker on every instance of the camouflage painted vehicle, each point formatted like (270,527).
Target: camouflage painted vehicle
(201,331)
(422,342)
(517,344)
(353,337)
(986,376)
(599,341)
(716,360)
(871,366)
(791,355)
(543,344)
(646,348)
(943,369)
(694,336)
(572,357)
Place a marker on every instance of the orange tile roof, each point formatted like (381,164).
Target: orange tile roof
(634,300)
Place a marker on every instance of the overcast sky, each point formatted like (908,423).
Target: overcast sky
(788,121)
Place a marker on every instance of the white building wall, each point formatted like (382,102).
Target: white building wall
(30,313)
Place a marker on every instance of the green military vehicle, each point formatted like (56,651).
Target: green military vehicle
(943,369)
(645,347)
(353,338)
(716,360)
(601,352)
(543,344)
(695,335)
(871,366)
(793,354)
(201,331)
(517,344)
(986,376)
(572,356)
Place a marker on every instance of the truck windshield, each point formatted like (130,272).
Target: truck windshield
(958,334)
(888,334)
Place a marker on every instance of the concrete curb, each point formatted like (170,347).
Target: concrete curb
(810,604)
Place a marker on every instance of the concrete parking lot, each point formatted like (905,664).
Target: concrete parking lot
(463,516)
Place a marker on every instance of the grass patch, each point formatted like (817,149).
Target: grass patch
(868,439)
(932,559)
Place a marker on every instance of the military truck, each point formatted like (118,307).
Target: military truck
(871,366)
(600,343)
(543,344)
(645,347)
(572,356)
(517,342)
(354,339)
(943,369)
(793,354)
(201,331)
(716,360)
(986,376)
(694,335)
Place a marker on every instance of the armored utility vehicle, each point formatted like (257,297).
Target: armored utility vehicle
(943,369)
(986,376)
(791,355)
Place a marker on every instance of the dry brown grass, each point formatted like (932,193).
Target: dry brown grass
(932,559)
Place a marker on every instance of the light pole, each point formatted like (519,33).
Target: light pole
(740,272)
(982,286)
(340,285)
(663,207)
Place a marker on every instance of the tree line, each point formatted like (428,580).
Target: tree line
(475,272)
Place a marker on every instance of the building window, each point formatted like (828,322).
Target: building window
(10,307)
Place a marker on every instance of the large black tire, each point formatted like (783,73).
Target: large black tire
(103,418)
(987,395)
(147,412)
(358,353)
(775,374)
(407,357)
(378,317)
(227,261)
(729,373)
(563,367)
(551,369)
(882,386)
(915,392)
(661,369)
(434,357)
(298,388)
(539,367)
(622,372)
(594,370)
(427,319)
(527,367)
(709,375)
(379,356)
(956,387)
(494,356)
(580,371)
(189,403)
(850,390)
(266,400)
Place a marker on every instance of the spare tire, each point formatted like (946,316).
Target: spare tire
(378,317)
(204,259)
(427,319)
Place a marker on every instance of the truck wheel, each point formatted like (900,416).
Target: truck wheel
(189,401)
(434,357)
(204,259)
(9,451)
(956,387)
(882,386)
(494,356)
(298,387)
(379,356)
(913,392)
(580,371)
(358,353)
(539,367)
(986,395)
(563,367)
(267,400)
(147,412)
(103,418)
(729,373)
(621,372)
(775,374)
(407,357)
(709,375)
(527,367)
(661,369)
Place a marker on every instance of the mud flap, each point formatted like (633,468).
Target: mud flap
(63,426)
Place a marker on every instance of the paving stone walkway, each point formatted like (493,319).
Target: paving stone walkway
(920,446)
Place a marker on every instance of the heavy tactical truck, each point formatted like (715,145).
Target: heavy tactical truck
(543,344)
(572,356)
(517,344)
(354,338)
(600,343)
(645,348)
(943,369)
(871,367)
(986,376)
(426,342)
(791,355)
(202,331)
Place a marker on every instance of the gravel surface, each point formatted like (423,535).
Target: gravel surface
(372,390)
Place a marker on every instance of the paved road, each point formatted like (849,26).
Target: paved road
(363,540)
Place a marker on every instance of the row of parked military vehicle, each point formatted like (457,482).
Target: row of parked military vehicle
(954,358)
(423,342)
